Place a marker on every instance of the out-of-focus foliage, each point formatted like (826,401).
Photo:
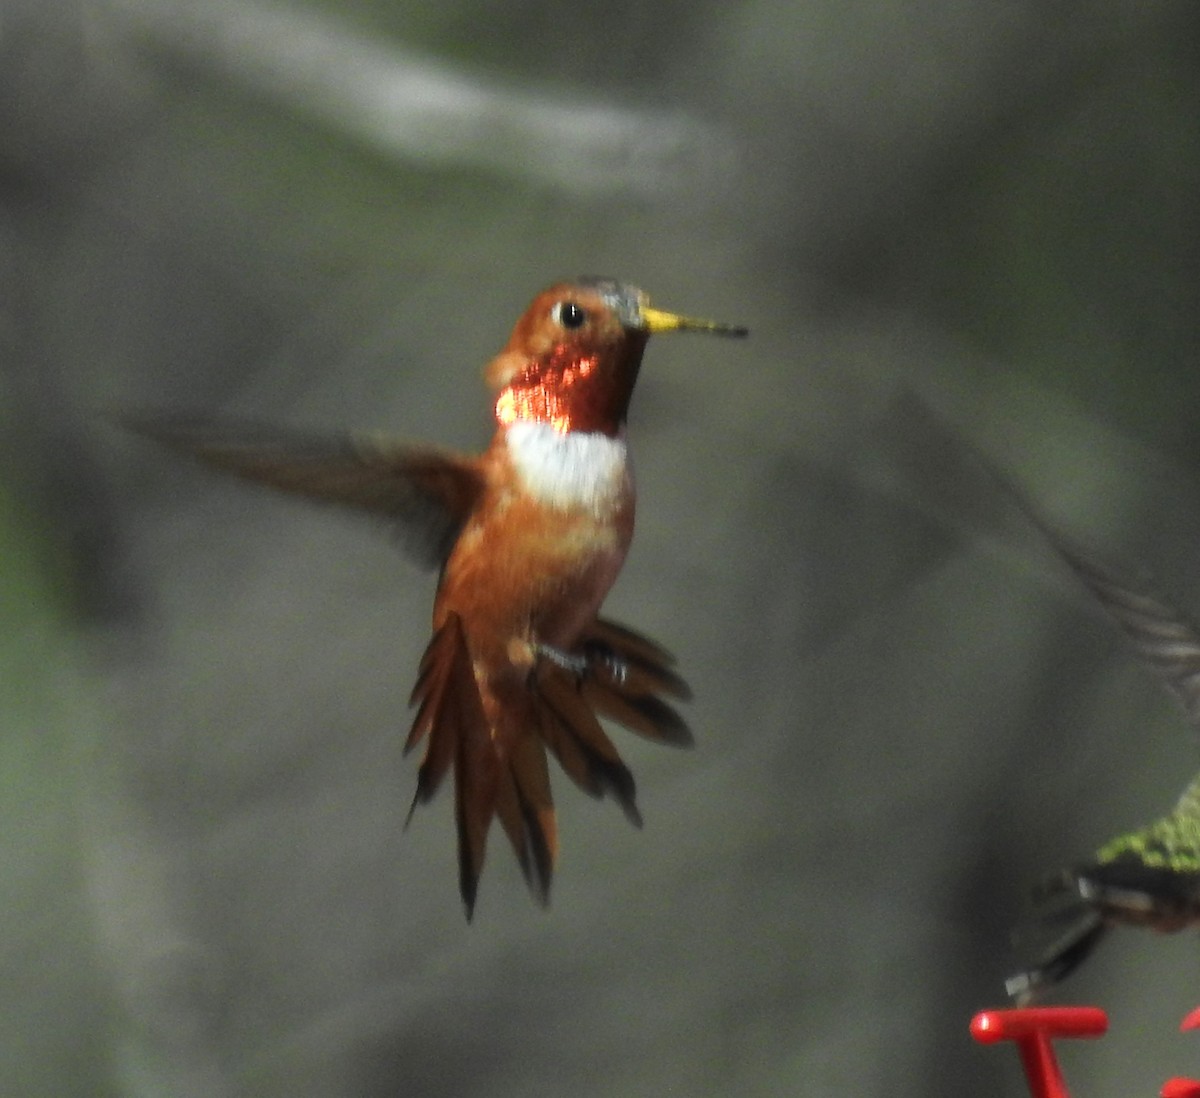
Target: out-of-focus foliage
(54,1022)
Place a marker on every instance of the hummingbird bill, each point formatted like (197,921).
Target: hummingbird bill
(1149,877)
(527,539)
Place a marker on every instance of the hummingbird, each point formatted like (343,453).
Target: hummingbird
(527,538)
(1151,876)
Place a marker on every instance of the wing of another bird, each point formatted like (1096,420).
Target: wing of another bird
(426,493)
(1164,638)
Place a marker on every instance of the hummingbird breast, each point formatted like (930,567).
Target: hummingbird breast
(569,470)
(544,545)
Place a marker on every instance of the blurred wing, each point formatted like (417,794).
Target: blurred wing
(425,493)
(1164,638)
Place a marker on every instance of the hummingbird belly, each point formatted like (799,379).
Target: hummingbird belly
(523,574)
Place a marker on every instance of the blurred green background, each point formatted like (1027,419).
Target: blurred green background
(907,712)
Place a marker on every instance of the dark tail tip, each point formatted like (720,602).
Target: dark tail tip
(468,886)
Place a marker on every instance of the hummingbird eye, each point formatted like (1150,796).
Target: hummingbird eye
(569,314)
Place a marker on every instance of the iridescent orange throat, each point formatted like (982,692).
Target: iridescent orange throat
(572,390)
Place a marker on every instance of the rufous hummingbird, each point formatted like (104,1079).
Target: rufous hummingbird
(528,537)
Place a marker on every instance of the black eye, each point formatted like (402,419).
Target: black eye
(570,315)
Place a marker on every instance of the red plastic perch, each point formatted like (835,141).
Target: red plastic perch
(1033,1028)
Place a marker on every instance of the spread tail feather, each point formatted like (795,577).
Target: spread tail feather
(570,729)
(450,713)
(497,771)
(502,770)
(626,674)
(526,812)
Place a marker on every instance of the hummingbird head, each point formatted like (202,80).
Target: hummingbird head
(573,357)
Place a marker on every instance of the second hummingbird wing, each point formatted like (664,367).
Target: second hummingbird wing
(424,492)
(1163,637)
(935,452)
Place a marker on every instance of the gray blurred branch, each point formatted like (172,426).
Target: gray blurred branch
(411,107)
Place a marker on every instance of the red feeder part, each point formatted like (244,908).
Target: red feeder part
(1033,1028)
(1180,1088)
